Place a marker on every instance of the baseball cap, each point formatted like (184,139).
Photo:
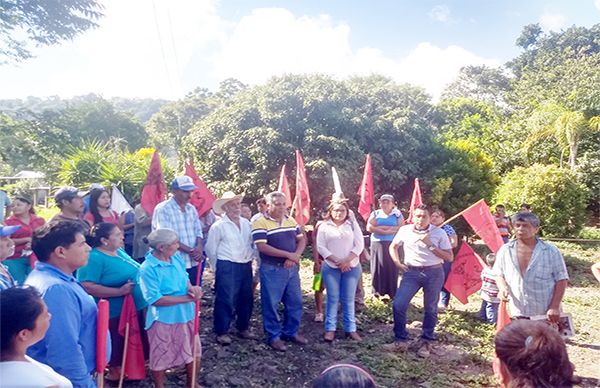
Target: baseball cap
(388,197)
(67,193)
(6,231)
(184,183)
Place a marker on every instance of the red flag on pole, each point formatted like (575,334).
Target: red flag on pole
(503,320)
(301,203)
(366,191)
(134,362)
(284,187)
(465,277)
(155,189)
(480,218)
(101,337)
(415,201)
(202,198)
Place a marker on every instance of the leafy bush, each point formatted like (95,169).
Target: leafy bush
(105,163)
(555,194)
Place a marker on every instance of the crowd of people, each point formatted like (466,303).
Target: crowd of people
(60,269)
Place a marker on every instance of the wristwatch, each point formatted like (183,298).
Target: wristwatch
(432,248)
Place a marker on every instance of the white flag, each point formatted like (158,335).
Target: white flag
(118,202)
(336,181)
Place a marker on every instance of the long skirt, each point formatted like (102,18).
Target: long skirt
(172,345)
(383,271)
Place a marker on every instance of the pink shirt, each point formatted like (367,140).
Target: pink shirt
(113,219)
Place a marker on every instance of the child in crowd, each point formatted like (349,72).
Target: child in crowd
(489,292)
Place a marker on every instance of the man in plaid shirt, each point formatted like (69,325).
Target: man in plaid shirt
(531,273)
(179,215)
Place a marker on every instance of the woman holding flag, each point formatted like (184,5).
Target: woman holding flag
(171,299)
(112,274)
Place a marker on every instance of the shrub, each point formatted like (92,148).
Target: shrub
(555,194)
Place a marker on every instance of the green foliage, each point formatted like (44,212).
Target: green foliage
(107,163)
(590,233)
(42,23)
(480,83)
(555,194)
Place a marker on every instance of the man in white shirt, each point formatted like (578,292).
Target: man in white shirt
(230,243)
(426,247)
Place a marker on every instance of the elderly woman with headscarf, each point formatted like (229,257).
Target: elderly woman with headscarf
(171,307)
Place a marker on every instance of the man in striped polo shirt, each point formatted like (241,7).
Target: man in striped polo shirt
(280,242)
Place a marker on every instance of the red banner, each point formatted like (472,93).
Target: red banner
(503,320)
(301,203)
(366,191)
(415,201)
(134,361)
(284,187)
(202,198)
(102,336)
(155,189)
(465,277)
(481,220)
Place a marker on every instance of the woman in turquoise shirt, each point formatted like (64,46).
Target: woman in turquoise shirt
(383,224)
(171,299)
(111,274)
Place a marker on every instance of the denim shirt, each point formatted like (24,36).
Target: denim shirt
(532,291)
(69,346)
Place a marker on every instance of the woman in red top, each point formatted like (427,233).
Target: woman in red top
(100,210)
(23,215)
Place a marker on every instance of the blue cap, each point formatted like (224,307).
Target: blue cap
(6,231)
(184,183)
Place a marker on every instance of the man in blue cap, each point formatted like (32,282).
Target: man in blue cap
(178,214)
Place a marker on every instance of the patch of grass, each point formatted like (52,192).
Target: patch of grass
(47,212)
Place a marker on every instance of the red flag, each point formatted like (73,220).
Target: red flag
(503,320)
(134,361)
(102,336)
(202,198)
(365,204)
(480,218)
(284,187)
(301,203)
(155,190)
(465,277)
(415,201)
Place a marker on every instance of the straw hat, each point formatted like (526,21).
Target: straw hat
(226,197)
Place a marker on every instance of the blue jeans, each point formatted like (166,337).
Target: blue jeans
(488,311)
(431,281)
(445,294)
(341,287)
(278,284)
(233,297)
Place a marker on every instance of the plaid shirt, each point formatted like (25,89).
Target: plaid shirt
(530,293)
(186,224)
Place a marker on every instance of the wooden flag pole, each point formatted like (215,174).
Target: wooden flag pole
(196,336)
(122,377)
(101,379)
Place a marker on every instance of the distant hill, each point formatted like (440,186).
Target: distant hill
(141,108)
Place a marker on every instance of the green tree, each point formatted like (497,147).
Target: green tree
(555,194)
(481,83)
(42,22)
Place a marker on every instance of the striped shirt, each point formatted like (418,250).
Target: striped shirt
(168,215)
(530,293)
(281,235)
(489,288)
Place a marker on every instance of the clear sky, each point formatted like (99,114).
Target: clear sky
(165,48)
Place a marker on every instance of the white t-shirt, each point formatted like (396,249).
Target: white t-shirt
(416,252)
(30,374)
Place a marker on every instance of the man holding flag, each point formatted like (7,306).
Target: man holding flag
(426,248)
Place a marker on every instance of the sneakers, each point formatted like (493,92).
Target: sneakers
(354,336)
(329,336)
(319,317)
(424,351)
(224,339)
(396,346)
(278,345)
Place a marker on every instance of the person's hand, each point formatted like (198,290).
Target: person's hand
(195,292)
(294,256)
(28,245)
(426,240)
(400,266)
(334,259)
(289,264)
(196,254)
(345,266)
(553,315)
(317,266)
(127,288)
(503,294)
